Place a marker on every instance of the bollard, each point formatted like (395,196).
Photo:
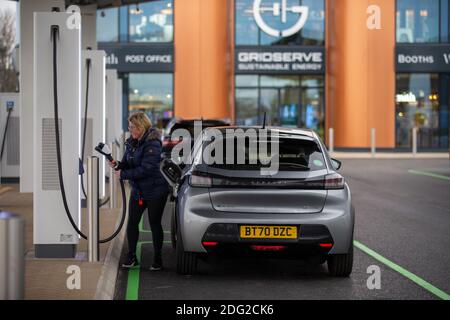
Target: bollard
(414,141)
(12,256)
(372,141)
(92,204)
(331,143)
(112,181)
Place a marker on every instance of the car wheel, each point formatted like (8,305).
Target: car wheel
(341,265)
(186,261)
(173,227)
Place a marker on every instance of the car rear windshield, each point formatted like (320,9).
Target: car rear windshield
(294,154)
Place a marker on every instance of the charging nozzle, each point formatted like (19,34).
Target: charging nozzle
(104,150)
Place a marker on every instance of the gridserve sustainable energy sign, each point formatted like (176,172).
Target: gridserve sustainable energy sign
(139,58)
(280,60)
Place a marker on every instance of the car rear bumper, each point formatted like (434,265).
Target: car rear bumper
(200,222)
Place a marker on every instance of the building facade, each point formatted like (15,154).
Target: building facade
(317,64)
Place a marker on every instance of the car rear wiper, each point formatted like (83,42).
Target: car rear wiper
(294,165)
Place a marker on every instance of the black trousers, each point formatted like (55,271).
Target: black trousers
(155,211)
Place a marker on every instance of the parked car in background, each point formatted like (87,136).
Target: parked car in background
(168,141)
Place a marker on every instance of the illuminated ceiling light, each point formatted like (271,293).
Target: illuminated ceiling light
(137,10)
(168,96)
(166,11)
(169,5)
(400,114)
(136,91)
(424,13)
(409,13)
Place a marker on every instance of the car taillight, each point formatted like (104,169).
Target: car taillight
(210,243)
(200,181)
(334,181)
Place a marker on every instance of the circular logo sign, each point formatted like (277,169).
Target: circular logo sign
(281,10)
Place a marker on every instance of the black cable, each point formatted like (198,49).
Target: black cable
(4,134)
(101,204)
(124,211)
(55,32)
(83,144)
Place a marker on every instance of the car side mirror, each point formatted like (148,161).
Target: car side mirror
(170,171)
(336,163)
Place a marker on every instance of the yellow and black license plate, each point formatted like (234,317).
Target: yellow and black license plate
(268,232)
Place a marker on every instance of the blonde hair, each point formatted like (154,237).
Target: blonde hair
(140,120)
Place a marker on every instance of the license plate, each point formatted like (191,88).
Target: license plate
(268,232)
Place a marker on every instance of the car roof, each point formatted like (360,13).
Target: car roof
(280,130)
(208,121)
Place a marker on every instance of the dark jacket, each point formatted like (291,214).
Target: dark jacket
(140,165)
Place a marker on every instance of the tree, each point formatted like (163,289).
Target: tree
(8,74)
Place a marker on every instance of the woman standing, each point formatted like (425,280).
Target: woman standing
(149,190)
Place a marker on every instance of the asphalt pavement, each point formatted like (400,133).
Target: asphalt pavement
(402,229)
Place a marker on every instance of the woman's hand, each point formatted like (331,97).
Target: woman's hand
(112,164)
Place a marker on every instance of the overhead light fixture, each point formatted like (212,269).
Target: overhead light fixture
(136,10)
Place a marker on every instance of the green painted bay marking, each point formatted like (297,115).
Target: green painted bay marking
(429,174)
(411,276)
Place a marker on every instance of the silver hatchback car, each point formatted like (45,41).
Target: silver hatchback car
(303,210)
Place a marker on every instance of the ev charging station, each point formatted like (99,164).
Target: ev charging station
(10,135)
(54,236)
(112,88)
(93,65)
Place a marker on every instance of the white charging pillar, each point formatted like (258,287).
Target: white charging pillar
(111,102)
(95,128)
(27,9)
(118,131)
(53,235)
(10,163)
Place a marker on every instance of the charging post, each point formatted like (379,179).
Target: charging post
(57,79)
(93,209)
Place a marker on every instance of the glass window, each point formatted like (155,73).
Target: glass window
(417,105)
(151,21)
(417,21)
(280,81)
(247,107)
(444,21)
(123,21)
(151,93)
(312,81)
(285,101)
(246,29)
(275,16)
(246,81)
(108,25)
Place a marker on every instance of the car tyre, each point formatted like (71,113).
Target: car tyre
(186,261)
(341,265)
